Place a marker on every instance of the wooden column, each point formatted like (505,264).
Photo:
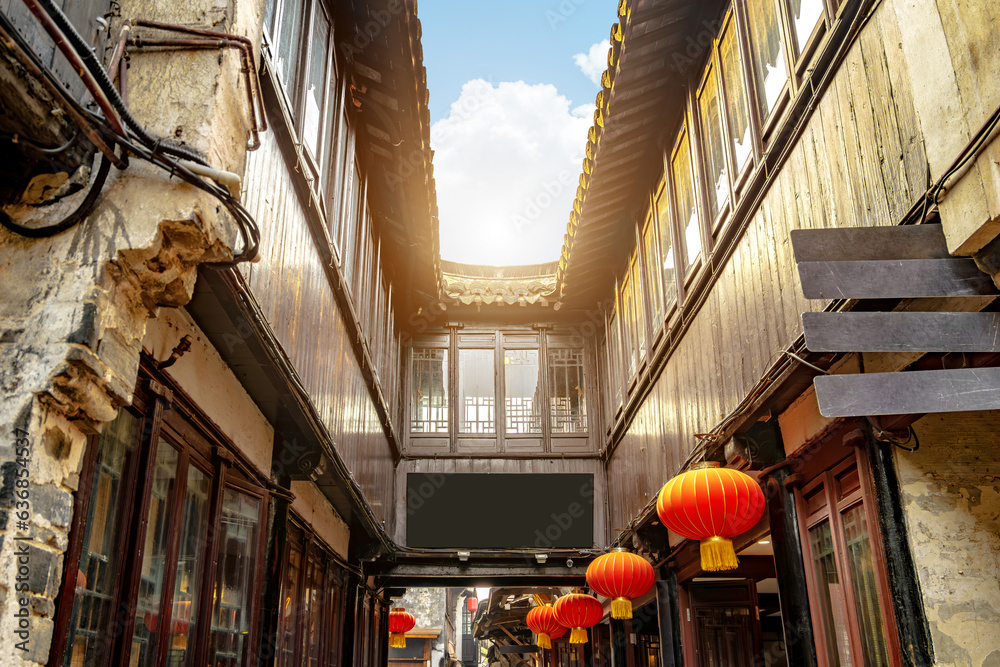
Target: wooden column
(619,643)
(911,621)
(669,619)
(588,650)
(789,564)
(270,616)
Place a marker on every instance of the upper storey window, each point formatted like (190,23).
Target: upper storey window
(737,114)
(522,391)
(476,392)
(768,53)
(688,222)
(429,391)
(712,143)
(805,15)
(525,386)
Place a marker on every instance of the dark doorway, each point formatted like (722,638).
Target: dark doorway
(726,627)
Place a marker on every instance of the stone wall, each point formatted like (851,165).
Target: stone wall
(951,495)
(74,308)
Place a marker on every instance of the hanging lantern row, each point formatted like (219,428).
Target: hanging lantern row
(621,577)
(400,622)
(711,504)
(542,621)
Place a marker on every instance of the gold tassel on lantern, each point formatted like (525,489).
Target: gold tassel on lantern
(621,608)
(397,640)
(718,555)
(578,636)
(544,641)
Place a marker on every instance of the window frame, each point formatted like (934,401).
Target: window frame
(713,70)
(690,269)
(833,511)
(168,419)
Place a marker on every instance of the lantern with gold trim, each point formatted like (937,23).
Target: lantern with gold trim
(711,504)
(578,612)
(620,576)
(400,622)
(542,621)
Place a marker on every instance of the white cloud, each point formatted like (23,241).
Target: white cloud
(506,161)
(594,62)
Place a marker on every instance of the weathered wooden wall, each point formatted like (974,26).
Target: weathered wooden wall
(498,466)
(860,162)
(292,289)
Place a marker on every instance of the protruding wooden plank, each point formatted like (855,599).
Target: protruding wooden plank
(902,332)
(914,392)
(894,279)
(874,243)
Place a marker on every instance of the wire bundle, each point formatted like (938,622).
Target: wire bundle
(119,128)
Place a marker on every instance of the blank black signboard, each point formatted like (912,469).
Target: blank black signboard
(507,510)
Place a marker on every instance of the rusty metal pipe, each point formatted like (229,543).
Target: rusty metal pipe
(216,39)
(78,66)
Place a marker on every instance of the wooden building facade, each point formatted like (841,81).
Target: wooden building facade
(233,461)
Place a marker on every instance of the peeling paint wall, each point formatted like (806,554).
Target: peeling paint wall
(951,495)
(429,607)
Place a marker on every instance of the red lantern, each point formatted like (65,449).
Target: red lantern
(400,622)
(542,621)
(579,612)
(472,604)
(620,576)
(711,504)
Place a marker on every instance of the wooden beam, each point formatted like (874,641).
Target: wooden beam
(845,244)
(894,279)
(872,394)
(902,332)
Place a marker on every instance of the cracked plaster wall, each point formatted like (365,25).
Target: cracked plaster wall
(951,495)
(74,308)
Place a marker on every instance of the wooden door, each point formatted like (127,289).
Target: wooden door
(725,623)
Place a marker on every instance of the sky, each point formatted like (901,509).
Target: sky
(512,87)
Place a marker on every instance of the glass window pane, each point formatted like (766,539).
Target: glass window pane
(290,612)
(313,611)
(154,557)
(805,15)
(628,327)
(335,189)
(98,567)
(316,82)
(187,585)
(522,404)
(687,214)
(666,246)
(568,399)
(476,391)
(350,212)
(289,41)
(234,579)
(269,11)
(717,175)
(866,602)
(429,394)
(768,49)
(615,354)
(654,287)
(737,113)
(640,310)
(831,596)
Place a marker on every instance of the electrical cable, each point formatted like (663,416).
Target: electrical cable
(86,55)
(78,214)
